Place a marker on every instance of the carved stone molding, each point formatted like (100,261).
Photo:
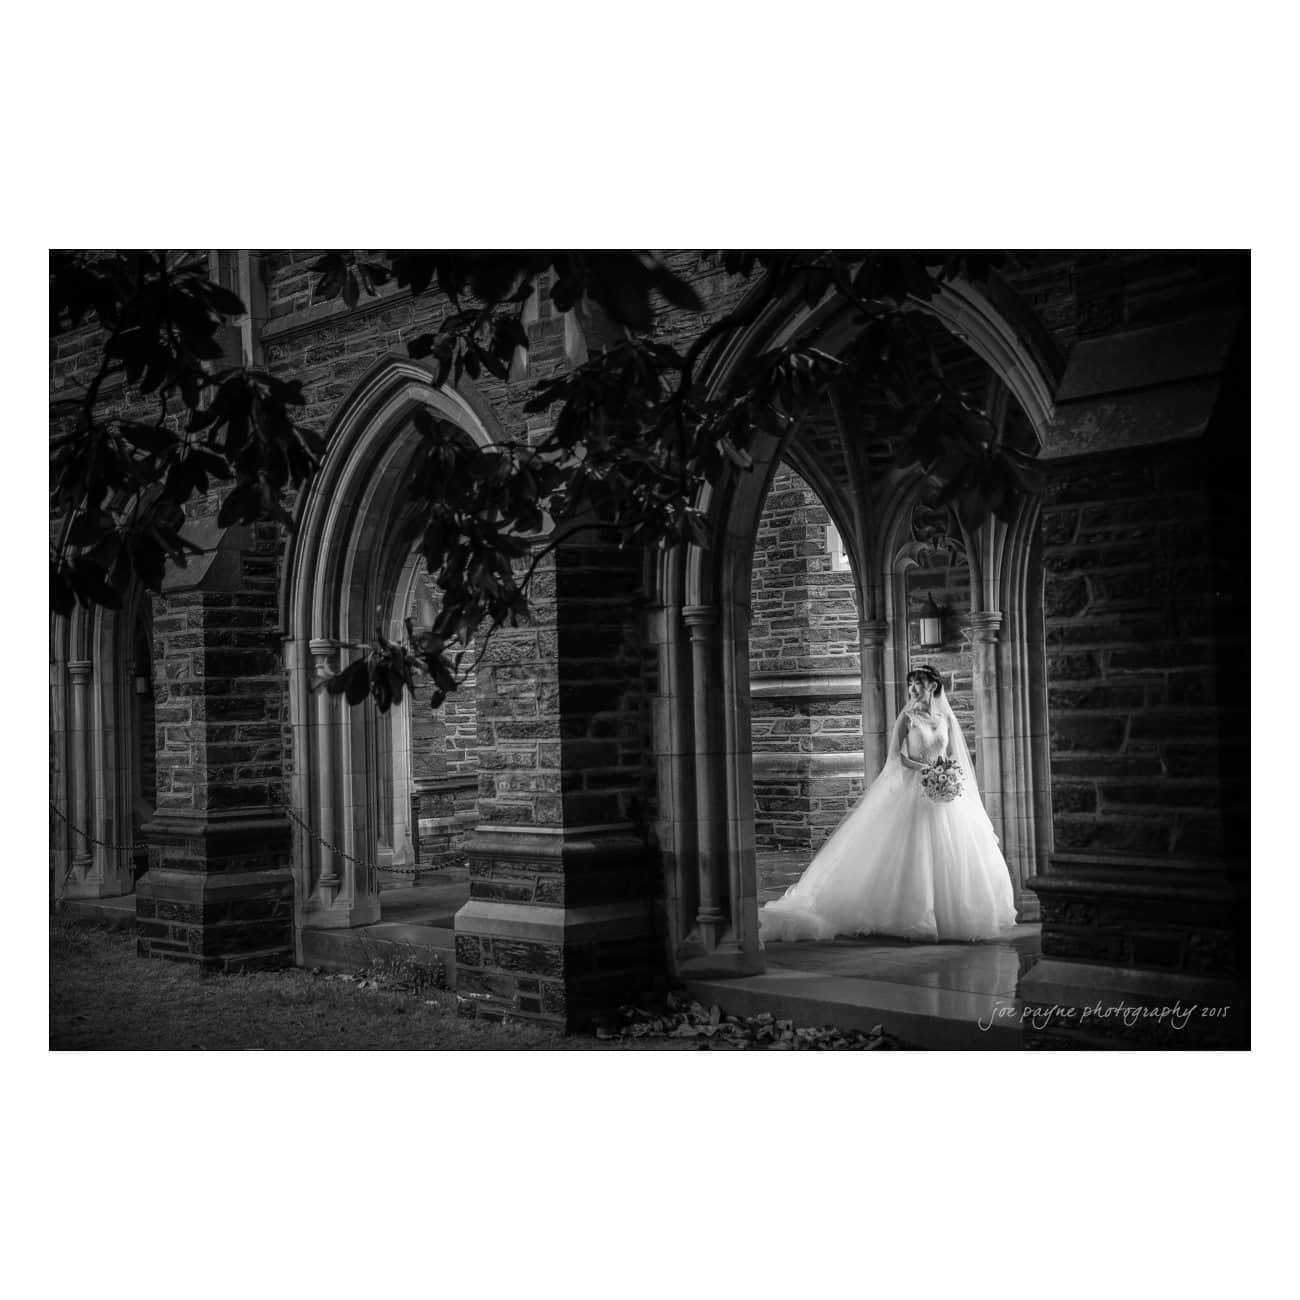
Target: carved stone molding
(699,618)
(873,632)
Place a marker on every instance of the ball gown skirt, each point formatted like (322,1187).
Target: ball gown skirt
(900,864)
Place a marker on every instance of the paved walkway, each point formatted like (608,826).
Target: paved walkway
(935,995)
(938,995)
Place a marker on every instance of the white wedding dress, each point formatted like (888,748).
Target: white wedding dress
(900,864)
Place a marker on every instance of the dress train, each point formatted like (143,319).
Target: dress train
(900,864)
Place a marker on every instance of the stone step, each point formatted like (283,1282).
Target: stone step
(116,913)
(351,951)
(938,1019)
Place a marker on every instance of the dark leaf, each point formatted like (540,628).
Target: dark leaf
(147,437)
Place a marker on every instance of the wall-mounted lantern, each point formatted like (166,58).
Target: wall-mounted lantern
(931,625)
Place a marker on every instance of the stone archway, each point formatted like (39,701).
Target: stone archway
(348,553)
(700,629)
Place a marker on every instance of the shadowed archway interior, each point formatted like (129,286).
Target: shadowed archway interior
(349,573)
(702,617)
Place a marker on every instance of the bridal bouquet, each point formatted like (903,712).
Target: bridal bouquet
(941,781)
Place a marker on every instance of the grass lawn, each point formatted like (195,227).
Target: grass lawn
(102,996)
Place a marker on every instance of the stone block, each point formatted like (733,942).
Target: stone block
(1122,696)
(1065,598)
(1175,724)
(1091,732)
(531,958)
(1140,837)
(1070,797)
(1072,667)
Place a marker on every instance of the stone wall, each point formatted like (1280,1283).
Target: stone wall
(806,703)
(1149,728)
(563,714)
(219,705)
(445,757)
(219,892)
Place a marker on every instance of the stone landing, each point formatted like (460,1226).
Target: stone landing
(940,996)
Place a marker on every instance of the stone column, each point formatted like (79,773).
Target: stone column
(328,880)
(985,625)
(875,714)
(563,891)
(219,889)
(710,810)
(79,671)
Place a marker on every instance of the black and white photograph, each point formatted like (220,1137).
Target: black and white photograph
(727,650)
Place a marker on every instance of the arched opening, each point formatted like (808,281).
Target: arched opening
(351,570)
(426,780)
(805,681)
(705,624)
(103,752)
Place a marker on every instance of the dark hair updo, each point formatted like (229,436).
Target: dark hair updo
(926,674)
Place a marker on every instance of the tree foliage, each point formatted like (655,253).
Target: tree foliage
(634,430)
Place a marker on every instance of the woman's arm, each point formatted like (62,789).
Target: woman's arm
(896,744)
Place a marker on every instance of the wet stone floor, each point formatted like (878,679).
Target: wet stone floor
(986,971)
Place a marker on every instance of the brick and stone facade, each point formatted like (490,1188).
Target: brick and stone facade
(805,683)
(620,759)
(1145,546)
(219,890)
(445,757)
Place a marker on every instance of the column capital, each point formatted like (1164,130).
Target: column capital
(985,624)
(873,631)
(80,669)
(322,649)
(699,617)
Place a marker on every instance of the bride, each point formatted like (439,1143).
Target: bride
(899,863)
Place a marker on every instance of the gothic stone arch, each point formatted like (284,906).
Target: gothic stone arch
(98,745)
(699,627)
(348,569)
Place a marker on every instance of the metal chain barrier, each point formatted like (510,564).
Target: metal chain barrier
(275,798)
(88,837)
(334,848)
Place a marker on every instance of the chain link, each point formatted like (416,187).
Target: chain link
(86,835)
(275,798)
(319,838)
(89,838)
(333,848)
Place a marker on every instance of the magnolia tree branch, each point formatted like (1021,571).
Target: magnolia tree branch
(631,441)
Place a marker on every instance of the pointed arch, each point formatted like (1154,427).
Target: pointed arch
(351,541)
(97,746)
(700,627)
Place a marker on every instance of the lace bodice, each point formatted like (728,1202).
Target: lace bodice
(927,737)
